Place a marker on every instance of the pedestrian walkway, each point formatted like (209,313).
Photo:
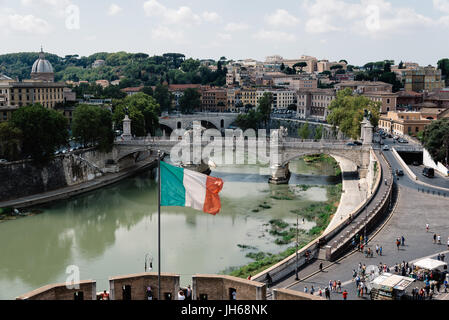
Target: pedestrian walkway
(352,196)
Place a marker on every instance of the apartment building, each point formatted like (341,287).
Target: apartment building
(282,99)
(401,123)
(387,99)
(234,99)
(423,79)
(362,87)
(325,65)
(249,96)
(314,104)
(19,94)
(214,99)
(295,82)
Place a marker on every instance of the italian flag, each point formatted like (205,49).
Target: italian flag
(185,188)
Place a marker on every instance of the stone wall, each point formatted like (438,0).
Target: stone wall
(61,292)
(24,178)
(285,294)
(139,283)
(217,287)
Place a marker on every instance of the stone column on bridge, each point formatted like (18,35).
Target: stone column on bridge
(280,173)
(367,139)
(127,136)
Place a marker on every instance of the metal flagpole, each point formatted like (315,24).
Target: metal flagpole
(159,223)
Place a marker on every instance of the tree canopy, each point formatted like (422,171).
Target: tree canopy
(93,125)
(436,140)
(347,110)
(43,131)
(143,111)
(443,65)
(190,101)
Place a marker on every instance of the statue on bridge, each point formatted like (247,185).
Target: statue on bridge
(368,115)
(279,135)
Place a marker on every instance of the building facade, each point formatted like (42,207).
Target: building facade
(423,79)
(314,104)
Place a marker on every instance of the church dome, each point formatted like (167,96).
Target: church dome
(41,65)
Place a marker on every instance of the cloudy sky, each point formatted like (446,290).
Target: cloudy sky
(356,30)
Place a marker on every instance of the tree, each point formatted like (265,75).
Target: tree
(190,65)
(163,97)
(337,67)
(250,120)
(443,65)
(264,108)
(143,112)
(304,131)
(10,141)
(282,66)
(293,107)
(347,110)
(436,140)
(300,65)
(43,131)
(93,125)
(401,65)
(343,60)
(147,90)
(190,101)
(319,132)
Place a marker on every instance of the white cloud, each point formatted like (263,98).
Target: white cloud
(234,26)
(165,33)
(366,17)
(224,36)
(12,22)
(55,7)
(211,17)
(114,10)
(275,36)
(281,18)
(183,15)
(441,5)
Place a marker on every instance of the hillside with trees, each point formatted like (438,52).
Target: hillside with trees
(133,69)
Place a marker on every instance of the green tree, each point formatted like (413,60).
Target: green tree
(163,97)
(43,131)
(319,132)
(436,140)
(10,141)
(304,131)
(190,65)
(190,101)
(143,112)
(300,65)
(249,120)
(147,90)
(347,110)
(265,104)
(443,65)
(93,125)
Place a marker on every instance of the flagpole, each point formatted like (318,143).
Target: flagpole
(159,223)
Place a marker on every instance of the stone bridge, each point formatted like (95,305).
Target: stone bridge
(208,120)
(279,153)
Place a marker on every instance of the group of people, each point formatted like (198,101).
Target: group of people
(185,294)
(436,237)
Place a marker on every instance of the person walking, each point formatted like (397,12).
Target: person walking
(312,291)
(321,267)
(448,242)
(439,239)
(327,293)
(434,238)
(377,249)
(345,295)
(305,289)
(380,250)
(427,227)
(398,243)
(403,241)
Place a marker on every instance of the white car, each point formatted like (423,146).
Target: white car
(386,148)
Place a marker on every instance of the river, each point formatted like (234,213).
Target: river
(108,232)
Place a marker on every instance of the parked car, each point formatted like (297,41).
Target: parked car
(351,144)
(3,160)
(358,143)
(402,141)
(399,172)
(386,148)
(416,163)
(428,172)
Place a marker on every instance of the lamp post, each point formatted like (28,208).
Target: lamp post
(297,243)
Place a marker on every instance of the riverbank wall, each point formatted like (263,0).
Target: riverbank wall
(23,179)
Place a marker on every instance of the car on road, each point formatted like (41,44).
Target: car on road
(416,163)
(386,148)
(358,143)
(399,172)
(3,160)
(351,144)
(428,172)
(402,141)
